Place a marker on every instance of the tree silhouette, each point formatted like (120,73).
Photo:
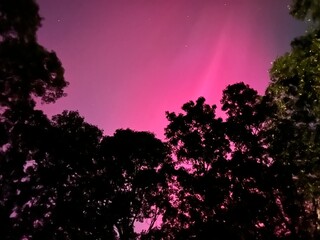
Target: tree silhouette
(67,176)
(294,91)
(17,165)
(227,184)
(27,70)
(133,163)
(306,10)
(19,19)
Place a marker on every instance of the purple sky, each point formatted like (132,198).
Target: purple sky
(129,61)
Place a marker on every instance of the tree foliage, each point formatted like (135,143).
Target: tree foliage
(133,164)
(19,19)
(227,185)
(28,70)
(306,10)
(294,91)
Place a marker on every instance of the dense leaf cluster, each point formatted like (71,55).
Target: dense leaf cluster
(252,175)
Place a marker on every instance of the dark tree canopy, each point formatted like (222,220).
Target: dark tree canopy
(306,10)
(294,132)
(227,185)
(28,70)
(19,19)
(133,163)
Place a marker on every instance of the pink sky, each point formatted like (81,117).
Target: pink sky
(129,61)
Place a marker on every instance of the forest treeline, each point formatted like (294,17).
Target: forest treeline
(253,175)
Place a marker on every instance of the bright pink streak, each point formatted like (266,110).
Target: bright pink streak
(129,61)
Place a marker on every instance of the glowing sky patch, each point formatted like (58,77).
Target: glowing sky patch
(129,61)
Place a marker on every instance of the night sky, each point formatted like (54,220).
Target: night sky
(129,61)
